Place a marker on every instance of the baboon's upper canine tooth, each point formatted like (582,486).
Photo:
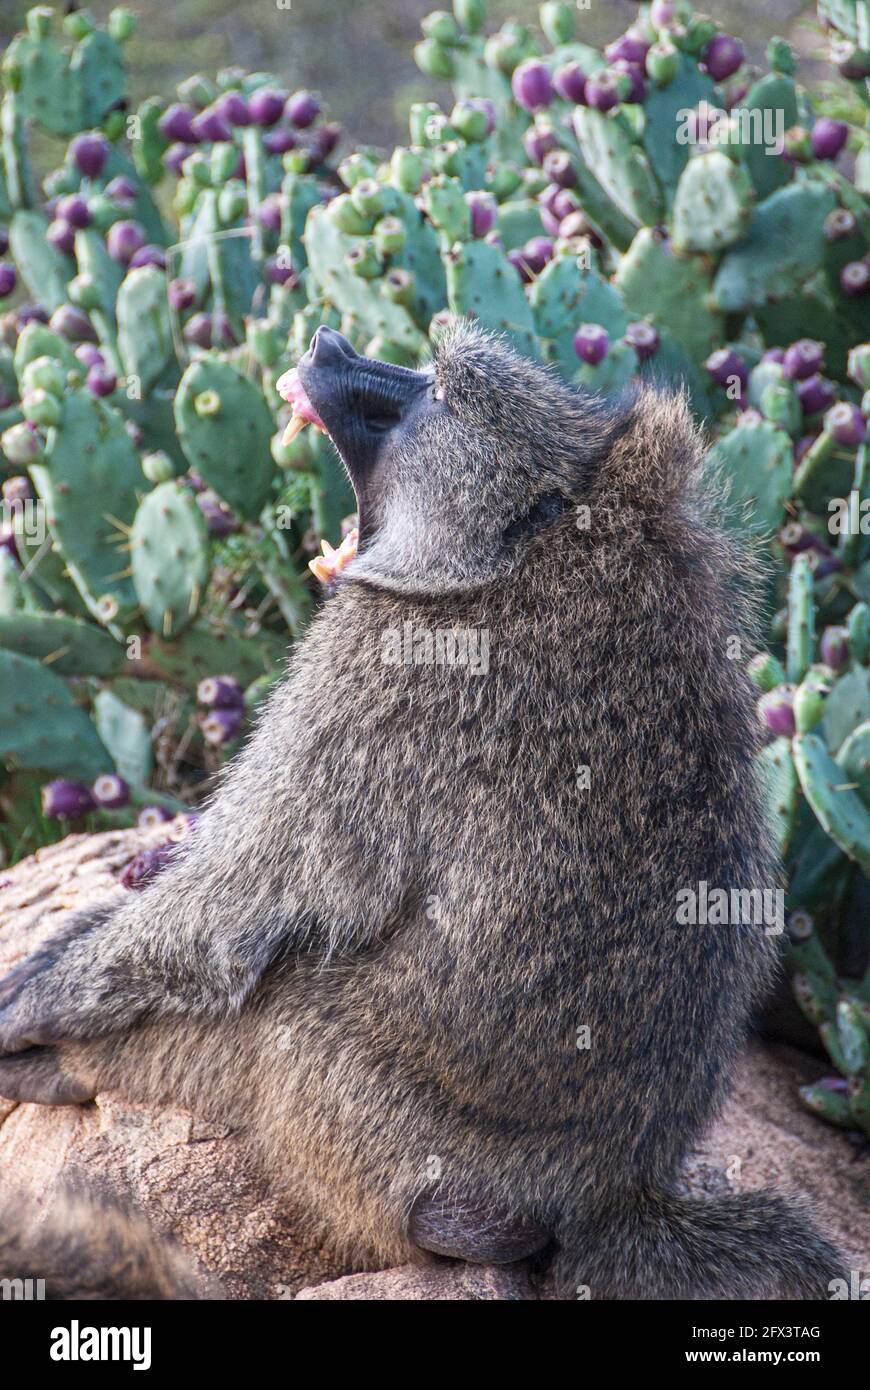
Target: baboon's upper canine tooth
(294,426)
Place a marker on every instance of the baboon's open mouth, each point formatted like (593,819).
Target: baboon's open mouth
(290,388)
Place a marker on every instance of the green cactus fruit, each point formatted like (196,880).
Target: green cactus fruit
(444,201)
(482,284)
(809,700)
(88,483)
(363,259)
(780,784)
(830,1105)
(70,646)
(619,165)
(35,342)
(780,404)
(434,59)
(43,728)
(227,446)
(754,463)
(406,170)
(838,809)
(471,14)
(766,672)
(713,204)
(784,246)
(170,555)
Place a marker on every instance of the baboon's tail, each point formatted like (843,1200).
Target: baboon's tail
(85,1249)
(749,1245)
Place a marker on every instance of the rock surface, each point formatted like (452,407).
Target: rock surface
(202,1186)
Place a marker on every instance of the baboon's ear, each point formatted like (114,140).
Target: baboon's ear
(656,454)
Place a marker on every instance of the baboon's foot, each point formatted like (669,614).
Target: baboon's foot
(470,1228)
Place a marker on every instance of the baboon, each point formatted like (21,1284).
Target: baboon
(424,944)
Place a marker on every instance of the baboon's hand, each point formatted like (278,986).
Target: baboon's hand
(39,1075)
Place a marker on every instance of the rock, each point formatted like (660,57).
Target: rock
(202,1185)
(435,1283)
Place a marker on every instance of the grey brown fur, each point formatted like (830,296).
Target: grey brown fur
(391,923)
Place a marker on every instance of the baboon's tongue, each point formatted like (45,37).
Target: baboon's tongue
(290,388)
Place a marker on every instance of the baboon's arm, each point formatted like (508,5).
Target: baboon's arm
(265,873)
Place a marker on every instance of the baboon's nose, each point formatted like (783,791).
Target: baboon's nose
(328,348)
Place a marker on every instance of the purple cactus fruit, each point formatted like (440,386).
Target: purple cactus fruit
(630,82)
(101,380)
(150,816)
(302,108)
(210,125)
(846,423)
(149,255)
(538,141)
(221,692)
(803,446)
(834,647)
(66,800)
(89,355)
(176,125)
(121,190)
(724,365)
(559,168)
(484,211)
(662,13)
(537,251)
(591,343)
(643,338)
(630,47)
(815,394)
(270,211)
(803,359)
(123,239)
(840,224)
(855,279)
(828,137)
(774,354)
(221,726)
(233,107)
(175,157)
(325,138)
(266,106)
(182,293)
(90,152)
(777,710)
(602,90)
(570,82)
(198,330)
(531,85)
(223,333)
(279,140)
(110,792)
(30,313)
(723,56)
(61,236)
(547,198)
(148,863)
(74,210)
(564,204)
(550,224)
(218,517)
(851,62)
(279,272)
(8,278)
